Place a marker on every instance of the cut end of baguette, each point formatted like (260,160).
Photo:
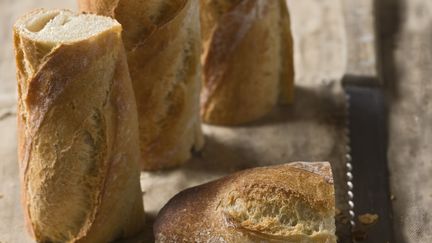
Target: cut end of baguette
(53,27)
(275,207)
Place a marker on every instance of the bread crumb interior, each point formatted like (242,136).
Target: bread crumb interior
(59,26)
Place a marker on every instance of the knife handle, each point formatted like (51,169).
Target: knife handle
(361,41)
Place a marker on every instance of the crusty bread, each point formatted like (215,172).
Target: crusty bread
(162,39)
(77,128)
(247,58)
(285,203)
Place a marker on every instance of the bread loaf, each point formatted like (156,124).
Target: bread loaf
(247,59)
(162,39)
(288,203)
(77,128)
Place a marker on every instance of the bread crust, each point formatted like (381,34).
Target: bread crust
(162,40)
(219,211)
(247,59)
(77,129)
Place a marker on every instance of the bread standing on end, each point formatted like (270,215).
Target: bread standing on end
(77,128)
(288,203)
(162,40)
(247,59)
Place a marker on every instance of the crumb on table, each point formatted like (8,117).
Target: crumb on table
(368,218)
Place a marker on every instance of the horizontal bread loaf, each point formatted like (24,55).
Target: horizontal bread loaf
(247,59)
(77,128)
(162,40)
(288,203)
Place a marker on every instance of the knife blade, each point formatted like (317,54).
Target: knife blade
(366,159)
(369,180)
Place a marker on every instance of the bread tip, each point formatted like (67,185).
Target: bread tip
(322,168)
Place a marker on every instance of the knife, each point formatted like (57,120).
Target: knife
(366,159)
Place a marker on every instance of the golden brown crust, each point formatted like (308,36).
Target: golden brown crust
(77,127)
(287,203)
(247,59)
(162,40)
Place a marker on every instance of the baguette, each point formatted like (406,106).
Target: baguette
(286,203)
(247,59)
(162,40)
(77,128)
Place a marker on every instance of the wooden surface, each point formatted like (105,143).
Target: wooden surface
(311,129)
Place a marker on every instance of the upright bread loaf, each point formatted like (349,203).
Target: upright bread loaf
(288,203)
(162,39)
(247,59)
(77,128)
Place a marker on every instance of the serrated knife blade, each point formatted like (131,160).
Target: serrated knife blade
(367,174)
